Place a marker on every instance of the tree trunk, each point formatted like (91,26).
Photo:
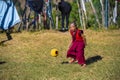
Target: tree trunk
(95,13)
(56,14)
(102,12)
(79,10)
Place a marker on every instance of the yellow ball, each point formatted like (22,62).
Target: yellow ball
(54,52)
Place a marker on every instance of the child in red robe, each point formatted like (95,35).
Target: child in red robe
(76,49)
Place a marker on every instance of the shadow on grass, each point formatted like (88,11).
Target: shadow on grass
(63,31)
(2,42)
(2,62)
(65,62)
(89,61)
(93,59)
(9,37)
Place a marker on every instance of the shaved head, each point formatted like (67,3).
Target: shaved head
(73,26)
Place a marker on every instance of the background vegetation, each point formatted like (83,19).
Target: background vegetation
(91,22)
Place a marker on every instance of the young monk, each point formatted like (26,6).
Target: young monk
(76,49)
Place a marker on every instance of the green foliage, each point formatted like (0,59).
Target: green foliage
(74,16)
(113,27)
(118,17)
(91,21)
(98,9)
(112,3)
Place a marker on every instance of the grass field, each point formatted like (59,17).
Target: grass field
(27,56)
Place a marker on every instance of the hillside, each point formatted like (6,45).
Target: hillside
(27,56)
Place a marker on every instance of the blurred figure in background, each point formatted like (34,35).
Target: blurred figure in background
(65,9)
(8,17)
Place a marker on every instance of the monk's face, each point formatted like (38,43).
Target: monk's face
(72,27)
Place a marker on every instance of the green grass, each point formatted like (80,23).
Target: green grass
(27,56)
